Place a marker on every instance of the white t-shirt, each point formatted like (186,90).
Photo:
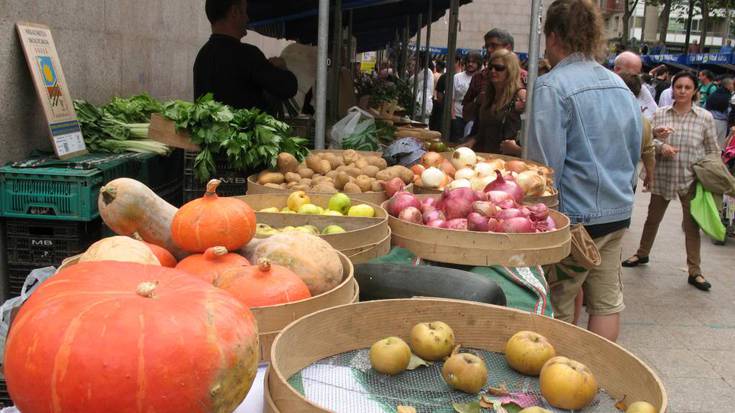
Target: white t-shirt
(666,98)
(461,85)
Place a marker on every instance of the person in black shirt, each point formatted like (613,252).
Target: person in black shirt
(236,73)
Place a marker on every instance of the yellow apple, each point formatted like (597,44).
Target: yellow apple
(526,352)
(271,209)
(535,409)
(333,229)
(340,202)
(297,199)
(432,341)
(361,210)
(567,384)
(641,407)
(390,355)
(287,210)
(309,209)
(329,212)
(465,372)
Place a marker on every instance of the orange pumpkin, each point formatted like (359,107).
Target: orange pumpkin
(118,337)
(164,256)
(209,265)
(211,221)
(263,284)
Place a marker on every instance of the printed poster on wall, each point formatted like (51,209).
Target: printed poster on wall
(51,88)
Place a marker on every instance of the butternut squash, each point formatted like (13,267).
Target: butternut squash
(128,206)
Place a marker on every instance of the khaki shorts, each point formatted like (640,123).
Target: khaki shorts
(603,286)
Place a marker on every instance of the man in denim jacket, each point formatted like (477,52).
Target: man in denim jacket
(586,125)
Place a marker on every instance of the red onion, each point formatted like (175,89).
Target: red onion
(433,215)
(437,223)
(506,185)
(509,213)
(539,212)
(517,225)
(550,224)
(545,225)
(457,203)
(485,208)
(458,223)
(507,204)
(393,186)
(411,214)
(481,196)
(492,225)
(477,222)
(401,201)
(499,196)
(428,203)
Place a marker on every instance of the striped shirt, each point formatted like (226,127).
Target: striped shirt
(694,135)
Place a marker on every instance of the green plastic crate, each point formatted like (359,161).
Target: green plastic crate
(62,190)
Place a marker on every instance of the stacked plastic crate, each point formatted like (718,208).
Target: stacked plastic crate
(49,207)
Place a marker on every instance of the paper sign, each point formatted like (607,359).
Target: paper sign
(52,90)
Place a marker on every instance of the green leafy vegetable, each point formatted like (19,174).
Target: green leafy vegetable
(250,139)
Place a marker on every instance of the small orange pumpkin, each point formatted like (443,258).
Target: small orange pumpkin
(263,284)
(164,256)
(211,221)
(209,265)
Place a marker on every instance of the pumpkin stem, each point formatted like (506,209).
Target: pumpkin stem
(108,194)
(212,187)
(215,252)
(147,289)
(136,236)
(264,265)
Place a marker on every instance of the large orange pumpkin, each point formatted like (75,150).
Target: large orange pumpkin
(209,265)
(263,284)
(120,337)
(211,221)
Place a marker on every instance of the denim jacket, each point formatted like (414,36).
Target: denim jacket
(586,124)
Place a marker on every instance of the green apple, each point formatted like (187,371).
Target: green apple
(287,210)
(311,229)
(329,212)
(265,230)
(333,229)
(361,210)
(297,199)
(271,209)
(309,209)
(339,202)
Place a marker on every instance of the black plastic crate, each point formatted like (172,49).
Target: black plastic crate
(304,127)
(41,243)
(4,395)
(163,172)
(234,182)
(16,277)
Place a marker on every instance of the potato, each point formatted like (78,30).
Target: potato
(322,179)
(291,184)
(325,188)
(332,174)
(305,172)
(351,188)
(334,160)
(405,174)
(384,175)
(365,183)
(301,187)
(317,164)
(377,186)
(377,161)
(370,170)
(284,186)
(350,156)
(272,185)
(292,177)
(361,163)
(287,163)
(341,168)
(341,179)
(305,181)
(354,172)
(270,177)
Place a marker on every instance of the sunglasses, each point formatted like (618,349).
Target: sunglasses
(497,68)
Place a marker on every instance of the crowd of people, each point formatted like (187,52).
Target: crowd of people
(591,124)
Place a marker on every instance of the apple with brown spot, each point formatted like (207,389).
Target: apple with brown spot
(390,355)
(527,351)
(465,372)
(432,341)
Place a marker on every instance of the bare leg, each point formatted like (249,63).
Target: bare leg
(607,326)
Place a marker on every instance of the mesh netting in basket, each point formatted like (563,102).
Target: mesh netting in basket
(346,383)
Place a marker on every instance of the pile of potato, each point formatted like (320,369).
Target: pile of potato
(329,172)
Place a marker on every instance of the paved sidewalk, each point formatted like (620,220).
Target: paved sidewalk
(685,335)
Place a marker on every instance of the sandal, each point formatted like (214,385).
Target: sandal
(635,261)
(703,285)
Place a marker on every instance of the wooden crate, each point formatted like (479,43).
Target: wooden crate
(484,248)
(476,325)
(164,131)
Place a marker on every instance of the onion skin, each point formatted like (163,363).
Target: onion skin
(485,208)
(433,215)
(457,224)
(411,214)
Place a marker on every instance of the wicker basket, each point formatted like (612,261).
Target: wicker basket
(358,326)
(484,248)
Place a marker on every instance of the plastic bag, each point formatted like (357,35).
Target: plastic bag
(356,121)
(10,307)
(705,212)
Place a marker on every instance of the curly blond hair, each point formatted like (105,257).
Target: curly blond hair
(579,26)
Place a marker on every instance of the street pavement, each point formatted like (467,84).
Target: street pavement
(687,336)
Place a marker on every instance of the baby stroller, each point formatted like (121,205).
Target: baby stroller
(728,202)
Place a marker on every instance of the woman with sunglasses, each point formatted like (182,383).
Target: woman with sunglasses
(684,133)
(499,119)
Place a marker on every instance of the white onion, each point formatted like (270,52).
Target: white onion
(463,157)
(532,183)
(479,183)
(432,177)
(464,173)
(484,169)
(459,183)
